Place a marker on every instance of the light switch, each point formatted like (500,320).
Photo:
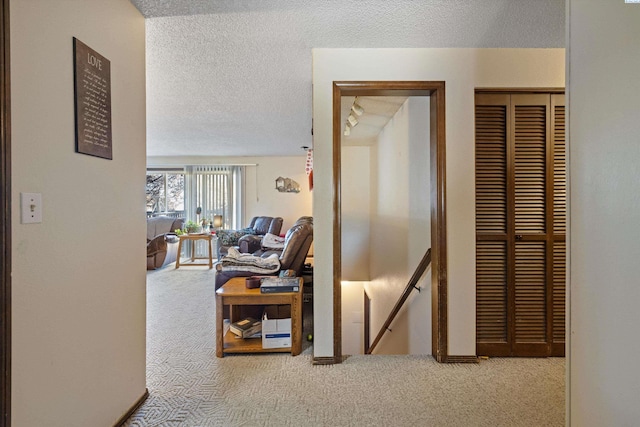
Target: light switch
(31,205)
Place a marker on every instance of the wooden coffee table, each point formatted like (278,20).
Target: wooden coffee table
(235,292)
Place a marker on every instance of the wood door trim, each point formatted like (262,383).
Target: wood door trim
(138,403)
(5,217)
(337,223)
(500,90)
(436,91)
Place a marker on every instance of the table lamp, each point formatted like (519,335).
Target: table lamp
(217,221)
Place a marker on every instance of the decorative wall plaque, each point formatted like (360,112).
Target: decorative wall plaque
(92,89)
(287,185)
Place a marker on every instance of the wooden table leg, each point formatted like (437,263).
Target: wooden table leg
(219,327)
(296,324)
(210,252)
(179,252)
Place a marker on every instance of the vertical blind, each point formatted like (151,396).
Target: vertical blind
(217,191)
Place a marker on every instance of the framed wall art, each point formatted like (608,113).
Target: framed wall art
(92,90)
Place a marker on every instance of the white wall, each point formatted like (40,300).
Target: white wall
(261,197)
(463,70)
(353,317)
(604,149)
(356,178)
(401,233)
(78,306)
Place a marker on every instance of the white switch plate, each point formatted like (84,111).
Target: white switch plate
(31,205)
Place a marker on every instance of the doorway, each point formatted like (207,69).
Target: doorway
(436,93)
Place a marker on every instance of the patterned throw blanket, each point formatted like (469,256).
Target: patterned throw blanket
(236,261)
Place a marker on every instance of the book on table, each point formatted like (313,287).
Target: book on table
(279,284)
(246,328)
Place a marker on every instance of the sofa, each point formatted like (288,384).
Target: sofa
(162,243)
(297,242)
(248,239)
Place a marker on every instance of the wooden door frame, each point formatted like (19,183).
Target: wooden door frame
(436,92)
(5,218)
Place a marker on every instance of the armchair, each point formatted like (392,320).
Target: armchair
(162,244)
(297,242)
(248,239)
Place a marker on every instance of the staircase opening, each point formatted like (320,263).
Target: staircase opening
(435,91)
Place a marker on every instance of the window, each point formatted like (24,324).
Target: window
(178,192)
(165,192)
(217,191)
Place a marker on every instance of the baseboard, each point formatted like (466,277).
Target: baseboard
(461,359)
(133,409)
(325,360)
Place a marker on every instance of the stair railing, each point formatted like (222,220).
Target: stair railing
(422,267)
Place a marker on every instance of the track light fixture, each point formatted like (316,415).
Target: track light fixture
(356,108)
(352,120)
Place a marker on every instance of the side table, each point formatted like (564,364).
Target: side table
(235,292)
(193,238)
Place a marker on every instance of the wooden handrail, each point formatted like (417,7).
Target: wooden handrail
(422,267)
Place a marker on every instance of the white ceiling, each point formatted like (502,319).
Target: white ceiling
(233,78)
(378,110)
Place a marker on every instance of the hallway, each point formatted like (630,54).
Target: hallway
(189,386)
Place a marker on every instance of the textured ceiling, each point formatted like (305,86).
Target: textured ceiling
(233,78)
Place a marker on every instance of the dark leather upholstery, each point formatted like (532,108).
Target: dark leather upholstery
(249,243)
(266,224)
(297,242)
(162,244)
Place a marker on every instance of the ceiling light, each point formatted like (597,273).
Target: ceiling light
(352,120)
(357,108)
(347,129)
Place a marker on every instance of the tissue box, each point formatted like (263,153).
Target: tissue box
(276,326)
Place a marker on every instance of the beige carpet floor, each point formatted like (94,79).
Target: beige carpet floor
(189,386)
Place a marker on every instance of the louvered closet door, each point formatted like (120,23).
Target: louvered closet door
(530,135)
(520,223)
(492,238)
(559,225)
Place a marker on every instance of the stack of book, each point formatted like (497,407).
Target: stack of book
(279,284)
(246,328)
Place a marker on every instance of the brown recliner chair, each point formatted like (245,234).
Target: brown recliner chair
(162,243)
(297,242)
(248,239)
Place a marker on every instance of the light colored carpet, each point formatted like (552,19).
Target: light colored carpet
(189,386)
